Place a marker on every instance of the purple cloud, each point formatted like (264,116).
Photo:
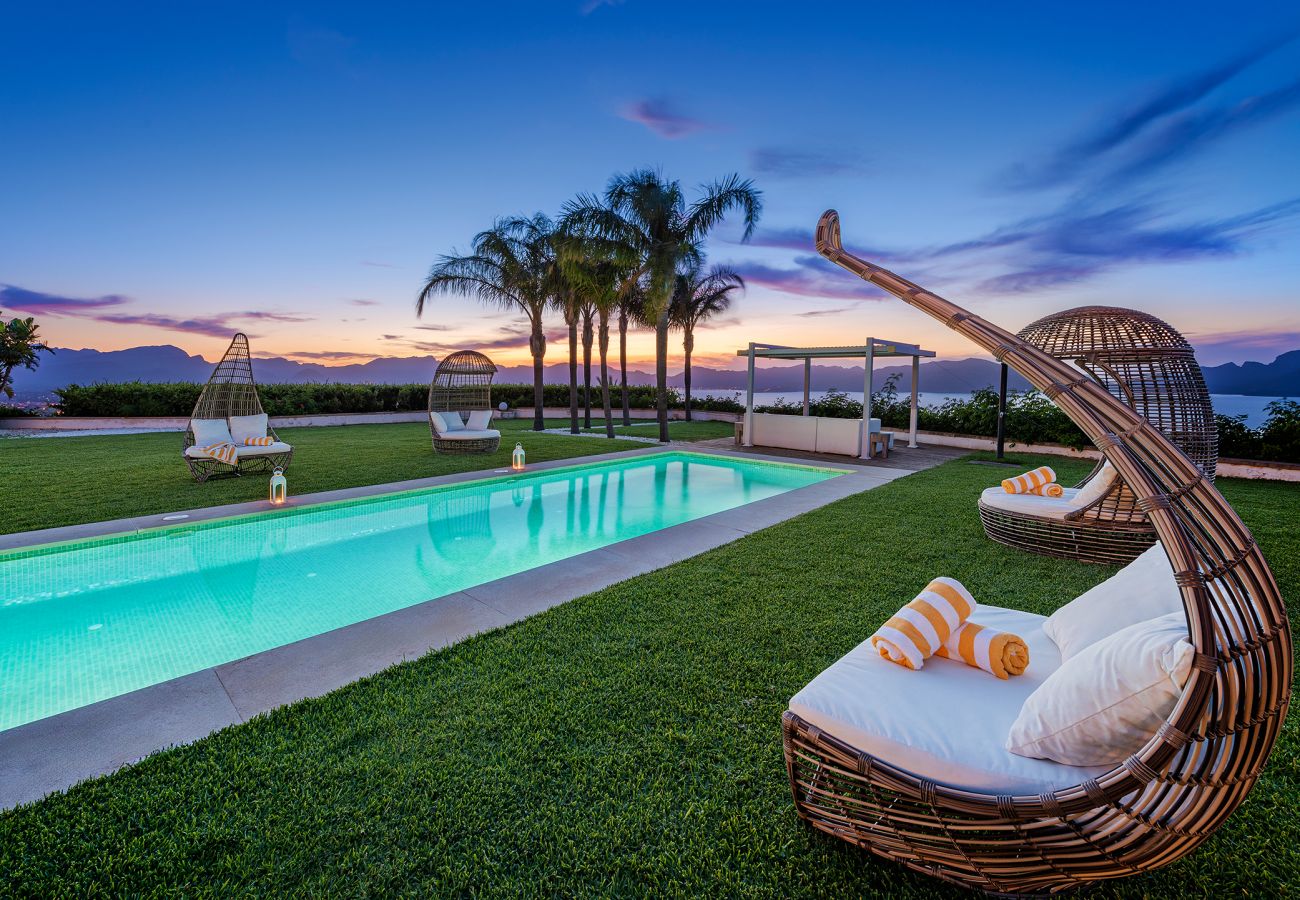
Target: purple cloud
(22,299)
(328,354)
(812,277)
(210,326)
(363,302)
(660,117)
(792,163)
(1262,344)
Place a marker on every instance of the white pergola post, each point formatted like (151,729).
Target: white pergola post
(916,380)
(870,360)
(749,403)
(807,382)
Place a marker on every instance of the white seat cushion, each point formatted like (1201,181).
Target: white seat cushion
(1032,504)
(273,447)
(466,434)
(210,431)
(1142,590)
(1098,485)
(242,427)
(479,420)
(948,721)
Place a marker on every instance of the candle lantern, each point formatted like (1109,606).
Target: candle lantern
(517,458)
(279,487)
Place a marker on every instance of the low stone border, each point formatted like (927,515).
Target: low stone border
(55,753)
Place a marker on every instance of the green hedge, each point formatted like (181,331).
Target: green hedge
(1277,439)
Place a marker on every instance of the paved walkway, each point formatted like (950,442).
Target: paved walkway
(900,457)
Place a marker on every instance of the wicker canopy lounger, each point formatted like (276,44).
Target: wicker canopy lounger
(1163,801)
(463,384)
(231,392)
(1148,366)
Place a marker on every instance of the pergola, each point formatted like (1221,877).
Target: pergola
(868,352)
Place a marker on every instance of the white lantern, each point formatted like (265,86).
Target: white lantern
(517,458)
(279,487)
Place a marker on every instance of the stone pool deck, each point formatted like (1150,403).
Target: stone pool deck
(55,753)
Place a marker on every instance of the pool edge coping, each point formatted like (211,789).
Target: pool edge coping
(55,753)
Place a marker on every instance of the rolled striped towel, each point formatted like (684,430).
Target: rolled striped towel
(1051,489)
(258,442)
(998,652)
(1023,484)
(921,627)
(225,452)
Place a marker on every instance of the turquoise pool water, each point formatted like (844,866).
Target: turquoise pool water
(84,621)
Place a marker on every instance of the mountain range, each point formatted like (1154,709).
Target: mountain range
(169,363)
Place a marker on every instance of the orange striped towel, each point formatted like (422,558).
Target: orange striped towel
(998,652)
(922,627)
(225,452)
(259,442)
(1051,489)
(1023,484)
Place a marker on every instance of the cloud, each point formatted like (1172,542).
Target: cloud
(818,313)
(590,6)
(221,325)
(1265,344)
(659,116)
(329,354)
(433,327)
(783,238)
(791,163)
(363,302)
(1187,130)
(16,298)
(391,337)
(812,277)
(378,265)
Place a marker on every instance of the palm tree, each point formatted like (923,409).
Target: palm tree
(20,345)
(698,297)
(511,266)
(631,304)
(651,218)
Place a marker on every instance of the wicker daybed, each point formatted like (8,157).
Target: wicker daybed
(1148,366)
(462,384)
(1100,822)
(231,393)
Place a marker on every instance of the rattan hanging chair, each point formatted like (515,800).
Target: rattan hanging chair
(231,391)
(1160,803)
(462,384)
(1149,367)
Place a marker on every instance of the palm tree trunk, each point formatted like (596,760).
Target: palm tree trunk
(586,368)
(661,372)
(604,373)
(622,363)
(537,347)
(573,374)
(688,344)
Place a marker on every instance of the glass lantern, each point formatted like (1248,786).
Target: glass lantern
(279,487)
(517,458)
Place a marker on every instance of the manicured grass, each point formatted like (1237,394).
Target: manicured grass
(47,482)
(623,743)
(695,430)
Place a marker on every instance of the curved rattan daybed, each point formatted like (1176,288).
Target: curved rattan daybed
(1161,802)
(1148,366)
(463,384)
(231,393)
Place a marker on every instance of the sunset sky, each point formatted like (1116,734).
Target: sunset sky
(172,173)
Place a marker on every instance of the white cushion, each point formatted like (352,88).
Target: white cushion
(453,420)
(1106,703)
(479,420)
(440,421)
(1144,589)
(466,434)
(247,427)
(1032,504)
(1097,486)
(948,721)
(210,431)
(273,447)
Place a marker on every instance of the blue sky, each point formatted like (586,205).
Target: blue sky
(174,172)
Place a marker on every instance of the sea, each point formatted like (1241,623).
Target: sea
(1227,404)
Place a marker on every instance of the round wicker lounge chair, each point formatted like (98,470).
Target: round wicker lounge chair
(1163,801)
(1148,366)
(463,384)
(232,392)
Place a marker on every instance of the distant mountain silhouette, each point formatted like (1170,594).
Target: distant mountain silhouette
(168,363)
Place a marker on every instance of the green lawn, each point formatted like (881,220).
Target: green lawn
(628,739)
(47,482)
(695,430)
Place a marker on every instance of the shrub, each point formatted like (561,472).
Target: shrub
(9,412)
(134,398)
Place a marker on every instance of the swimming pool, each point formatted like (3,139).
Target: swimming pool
(88,620)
